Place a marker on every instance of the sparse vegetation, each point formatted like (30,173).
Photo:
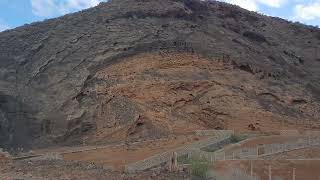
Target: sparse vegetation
(212,149)
(235,138)
(199,168)
(183,159)
(188,160)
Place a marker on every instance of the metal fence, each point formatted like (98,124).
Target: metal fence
(258,151)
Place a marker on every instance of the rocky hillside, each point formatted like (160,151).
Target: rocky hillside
(131,69)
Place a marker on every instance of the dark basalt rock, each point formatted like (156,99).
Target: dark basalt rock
(254,36)
(49,68)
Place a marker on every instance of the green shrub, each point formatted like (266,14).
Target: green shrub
(199,168)
(183,159)
(235,139)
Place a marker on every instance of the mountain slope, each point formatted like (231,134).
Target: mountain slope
(131,69)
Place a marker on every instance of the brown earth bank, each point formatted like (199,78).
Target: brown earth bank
(66,170)
(175,93)
(146,69)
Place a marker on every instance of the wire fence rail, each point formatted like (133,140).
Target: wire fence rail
(258,151)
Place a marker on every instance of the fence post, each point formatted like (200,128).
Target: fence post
(310,125)
(280,148)
(257,151)
(285,147)
(251,169)
(294,174)
(224,155)
(270,173)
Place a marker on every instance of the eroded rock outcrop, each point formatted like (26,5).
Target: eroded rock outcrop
(131,69)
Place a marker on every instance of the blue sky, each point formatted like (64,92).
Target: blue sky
(15,13)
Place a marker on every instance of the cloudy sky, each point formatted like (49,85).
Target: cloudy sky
(15,13)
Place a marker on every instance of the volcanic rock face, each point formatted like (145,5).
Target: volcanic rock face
(131,69)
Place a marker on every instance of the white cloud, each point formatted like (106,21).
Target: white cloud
(273,3)
(310,11)
(253,5)
(51,8)
(3,26)
(246,4)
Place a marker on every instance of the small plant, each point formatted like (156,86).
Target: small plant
(235,139)
(183,159)
(186,159)
(199,168)
(212,149)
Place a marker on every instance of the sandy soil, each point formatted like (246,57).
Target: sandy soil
(66,170)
